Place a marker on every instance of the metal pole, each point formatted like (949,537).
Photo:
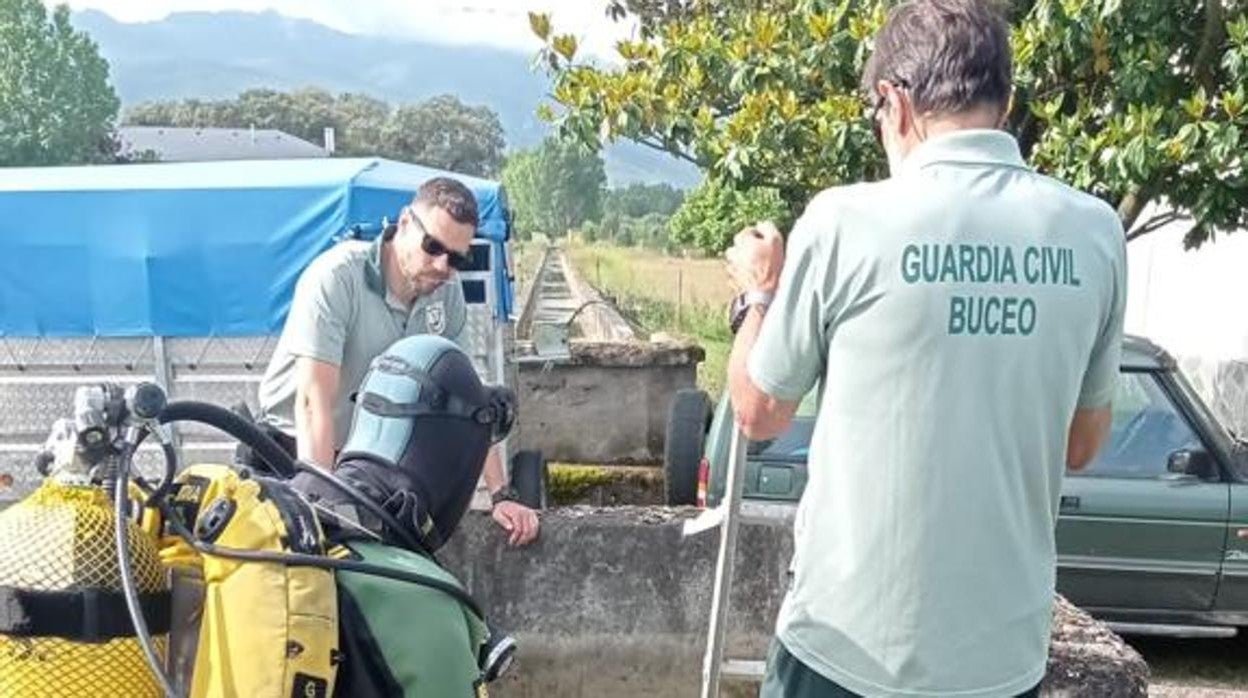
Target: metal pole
(713,661)
(163,371)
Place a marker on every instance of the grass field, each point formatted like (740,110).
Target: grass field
(686,298)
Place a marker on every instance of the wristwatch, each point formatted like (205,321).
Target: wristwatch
(741,306)
(506,493)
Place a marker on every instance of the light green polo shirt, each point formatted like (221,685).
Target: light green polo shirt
(342,314)
(954,316)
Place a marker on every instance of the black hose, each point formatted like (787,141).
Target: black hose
(363,500)
(171,470)
(283,464)
(277,458)
(248,433)
(302,560)
(121,496)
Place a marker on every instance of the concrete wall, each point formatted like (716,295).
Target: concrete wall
(614,602)
(608,403)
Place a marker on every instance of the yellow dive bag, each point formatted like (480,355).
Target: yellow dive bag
(248,627)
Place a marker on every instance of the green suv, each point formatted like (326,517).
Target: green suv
(1152,536)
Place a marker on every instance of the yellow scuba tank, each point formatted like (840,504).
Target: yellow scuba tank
(64,627)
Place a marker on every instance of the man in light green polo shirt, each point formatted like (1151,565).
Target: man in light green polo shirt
(963,322)
(354,301)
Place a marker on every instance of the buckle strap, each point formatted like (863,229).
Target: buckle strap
(89,615)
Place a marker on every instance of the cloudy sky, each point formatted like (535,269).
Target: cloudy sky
(501,23)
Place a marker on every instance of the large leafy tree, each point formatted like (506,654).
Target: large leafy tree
(713,213)
(639,199)
(56,104)
(444,132)
(1135,102)
(555,187)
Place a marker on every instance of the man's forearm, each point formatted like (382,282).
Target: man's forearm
(493,472)
(760,416)
(314,430)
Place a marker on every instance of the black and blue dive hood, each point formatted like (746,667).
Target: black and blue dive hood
(422,427)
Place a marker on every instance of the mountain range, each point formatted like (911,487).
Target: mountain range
(216,55)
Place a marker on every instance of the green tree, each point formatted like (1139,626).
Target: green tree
(638,199)
(361,119)
(524,197)
(444,132)
(1134,102)
(56,104)
(555,187)
(714,212)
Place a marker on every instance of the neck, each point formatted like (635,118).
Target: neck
(977,118)
(393,275)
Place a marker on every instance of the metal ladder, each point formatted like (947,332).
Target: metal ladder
(727,517)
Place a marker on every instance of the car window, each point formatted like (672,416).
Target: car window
(1147,428)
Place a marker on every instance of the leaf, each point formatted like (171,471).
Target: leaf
(1233,102)
(565,45)
(540,24)
(1195,105)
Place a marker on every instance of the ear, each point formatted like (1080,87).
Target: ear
(898,111)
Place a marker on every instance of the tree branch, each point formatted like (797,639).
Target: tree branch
(681,155)
(1132,205)
(1157,222)
(1204,65)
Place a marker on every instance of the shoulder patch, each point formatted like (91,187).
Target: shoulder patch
(435,317)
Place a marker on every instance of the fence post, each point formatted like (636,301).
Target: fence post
(680,297)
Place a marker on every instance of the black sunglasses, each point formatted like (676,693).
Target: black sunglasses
(435,247)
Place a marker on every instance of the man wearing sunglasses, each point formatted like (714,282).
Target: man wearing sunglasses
(963,321)
(351,304)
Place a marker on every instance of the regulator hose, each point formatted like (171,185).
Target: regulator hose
(278,459)
(121,498)
(234,425)
(281,462)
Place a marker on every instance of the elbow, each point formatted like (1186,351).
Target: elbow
(1077,460)
(1080,453)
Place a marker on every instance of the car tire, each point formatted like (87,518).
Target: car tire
(528,477)
(687,422)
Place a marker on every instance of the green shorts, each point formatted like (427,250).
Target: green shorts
(787,677)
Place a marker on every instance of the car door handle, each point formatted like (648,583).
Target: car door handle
(1069,503)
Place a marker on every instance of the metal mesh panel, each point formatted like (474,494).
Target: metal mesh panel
(62,538)
(479,339)
(30,408)
(234,353)
(72,355)
(226,393)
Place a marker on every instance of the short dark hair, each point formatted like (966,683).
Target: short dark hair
(951,55)
(451,196)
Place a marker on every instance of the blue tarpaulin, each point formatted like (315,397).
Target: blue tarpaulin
(192,249)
